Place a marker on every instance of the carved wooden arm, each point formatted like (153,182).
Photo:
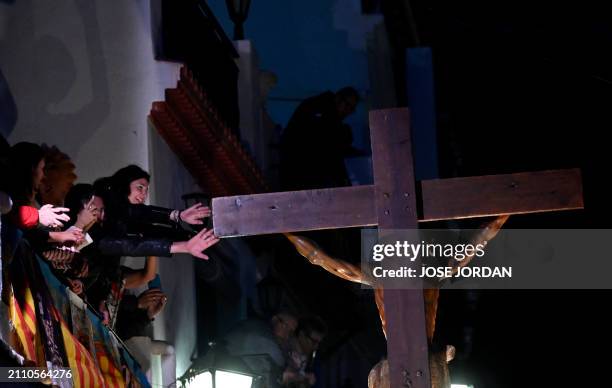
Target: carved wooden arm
(313,253)
(486,234)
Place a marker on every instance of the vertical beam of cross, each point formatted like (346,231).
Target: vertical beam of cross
(396,208)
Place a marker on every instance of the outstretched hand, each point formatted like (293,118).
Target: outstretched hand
(201,241)
(52,217)
(195,214)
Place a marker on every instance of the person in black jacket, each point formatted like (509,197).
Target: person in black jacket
(129,221)
(97,266)
(316,141)
(125,194)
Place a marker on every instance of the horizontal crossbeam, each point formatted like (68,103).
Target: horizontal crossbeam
(440,199)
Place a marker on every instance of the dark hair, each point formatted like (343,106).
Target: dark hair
(311,324)
(120,181)
(114,191)
(23,158)
(348,91)
(76,199)
(102,187)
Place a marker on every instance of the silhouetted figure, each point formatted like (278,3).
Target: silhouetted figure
(316,141)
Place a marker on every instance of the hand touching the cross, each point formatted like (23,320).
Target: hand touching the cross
(195,214)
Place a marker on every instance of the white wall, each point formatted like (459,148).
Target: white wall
(177,323)
(83,77)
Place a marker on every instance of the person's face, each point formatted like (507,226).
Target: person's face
(98,204)
(285,326)
(346,106)
(38,174)
(309,342)
(139,191)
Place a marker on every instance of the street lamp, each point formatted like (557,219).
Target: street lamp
(238,11)
(218,369)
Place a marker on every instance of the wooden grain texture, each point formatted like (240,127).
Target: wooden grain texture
(492,195)
(454,198)
(396,208)
(291,211)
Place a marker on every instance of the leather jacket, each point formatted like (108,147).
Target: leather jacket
(134,246)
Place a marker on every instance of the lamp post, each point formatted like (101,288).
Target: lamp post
(218,369)
(238,12)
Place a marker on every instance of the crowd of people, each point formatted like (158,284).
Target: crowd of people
(98,223)
(84,233)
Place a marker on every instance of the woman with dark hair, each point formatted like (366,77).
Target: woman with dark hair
(24,173)
(129,220)
(126,192)
(122,217)
(122,196)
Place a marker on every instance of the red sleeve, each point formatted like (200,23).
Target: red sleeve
(25,217)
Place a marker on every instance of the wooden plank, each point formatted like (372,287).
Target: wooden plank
(395,198)
(492,195)
(292,211)
(244,215)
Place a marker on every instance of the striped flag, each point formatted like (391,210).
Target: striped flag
(111,374)
(39,309)
(85,372)
(23,317)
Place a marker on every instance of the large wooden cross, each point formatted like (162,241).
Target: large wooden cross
(391,203)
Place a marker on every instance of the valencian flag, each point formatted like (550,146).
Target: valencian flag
(135,377)
(96,356)
(36,320)
(85,371)
(20,299)
(108,357)
(22,310)
(41,310)
(21,314)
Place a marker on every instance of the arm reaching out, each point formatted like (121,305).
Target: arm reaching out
(197,244)
(195,214)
